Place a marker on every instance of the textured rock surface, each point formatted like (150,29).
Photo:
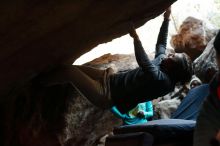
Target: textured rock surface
(205,65)
(193,36)
(166,107)
(54,116)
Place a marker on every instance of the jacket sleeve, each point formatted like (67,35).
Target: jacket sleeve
(143,60)
(162,38)
(117,113)
(149,110)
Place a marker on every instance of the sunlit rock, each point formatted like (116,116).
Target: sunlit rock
(192,37)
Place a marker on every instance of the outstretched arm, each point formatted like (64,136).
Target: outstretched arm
(141,56)
(162,36)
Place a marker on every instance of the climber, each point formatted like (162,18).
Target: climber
(150,80)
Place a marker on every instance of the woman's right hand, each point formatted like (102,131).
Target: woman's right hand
(167,13)
(132,31)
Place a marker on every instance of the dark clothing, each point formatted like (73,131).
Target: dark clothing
(146,82)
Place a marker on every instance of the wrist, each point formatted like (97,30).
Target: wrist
(167,19)
(136,38)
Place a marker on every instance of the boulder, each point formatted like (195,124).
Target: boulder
(165,108)
(192,37)
(205,66)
